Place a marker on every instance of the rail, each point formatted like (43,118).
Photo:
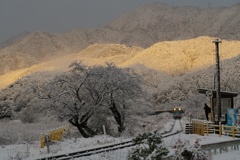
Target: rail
(220,129)
(214,148)
(87,152)
(221,146)
(200,127)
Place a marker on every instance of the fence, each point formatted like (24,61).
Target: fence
(199,127)
(54,135)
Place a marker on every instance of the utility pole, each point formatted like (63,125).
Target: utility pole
(218,102)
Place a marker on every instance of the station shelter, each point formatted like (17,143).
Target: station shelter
(227,102)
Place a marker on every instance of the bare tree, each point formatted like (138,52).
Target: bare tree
(83,91)
(121,86)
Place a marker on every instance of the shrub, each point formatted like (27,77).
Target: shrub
(149,147)
(183,150)
(28,116)
(5,111)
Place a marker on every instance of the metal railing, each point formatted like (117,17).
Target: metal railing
(221,128)
(220,147)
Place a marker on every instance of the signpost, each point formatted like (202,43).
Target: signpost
(231,117)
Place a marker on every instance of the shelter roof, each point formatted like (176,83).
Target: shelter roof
(204,91)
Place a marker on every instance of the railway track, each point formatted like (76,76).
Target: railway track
(88,152)
(176,128)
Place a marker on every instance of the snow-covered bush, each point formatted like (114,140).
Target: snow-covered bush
(185,151)
(149,147)
(5,111)
(28,115)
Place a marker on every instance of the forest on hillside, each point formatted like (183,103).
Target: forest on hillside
(30,99)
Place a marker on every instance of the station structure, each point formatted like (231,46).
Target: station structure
(227,101)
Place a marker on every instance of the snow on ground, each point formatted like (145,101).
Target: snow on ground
(70,145)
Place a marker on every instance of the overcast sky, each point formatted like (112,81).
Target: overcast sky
(60,16)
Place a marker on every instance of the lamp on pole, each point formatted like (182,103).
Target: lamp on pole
(218,102)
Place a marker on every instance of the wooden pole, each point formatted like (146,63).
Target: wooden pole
(207,128)
(220,129)
(218,80)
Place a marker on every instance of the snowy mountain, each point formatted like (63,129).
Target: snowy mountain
(14,39)
(156,22)
(183,90)
(142,27)
(173,58)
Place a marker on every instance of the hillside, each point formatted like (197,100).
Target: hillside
(14,39)
(156,22)
(173,58)
(142,27)
(35,48)
(179,57)
(162,89)
(184,88)
(93,55)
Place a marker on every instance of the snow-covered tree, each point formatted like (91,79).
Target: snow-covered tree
(84,92)
(5,111)
(149,147)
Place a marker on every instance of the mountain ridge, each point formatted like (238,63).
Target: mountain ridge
(141,27)
(173,58)
(14,39)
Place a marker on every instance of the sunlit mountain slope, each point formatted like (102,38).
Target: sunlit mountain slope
(179,57)
(174,58)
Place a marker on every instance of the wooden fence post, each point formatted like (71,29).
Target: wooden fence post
(207,128)
(233,128)
(192,126)
(203,128)
(200,127)
(68,130)
(47,140)
(42,140)
(196,127)
(220,129)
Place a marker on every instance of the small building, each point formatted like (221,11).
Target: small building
(227,101)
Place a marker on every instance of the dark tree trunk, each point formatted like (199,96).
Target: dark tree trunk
(91,133)
(82,131)
(85,131)
(117,116)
